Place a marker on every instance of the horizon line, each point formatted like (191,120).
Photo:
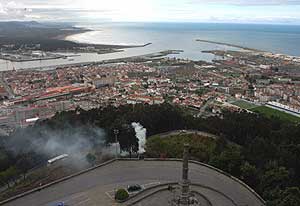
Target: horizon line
(175,22)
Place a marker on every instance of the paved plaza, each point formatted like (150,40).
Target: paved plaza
(94,188)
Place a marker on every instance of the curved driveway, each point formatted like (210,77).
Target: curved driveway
(90,189)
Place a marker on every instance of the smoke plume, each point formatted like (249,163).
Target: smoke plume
(77,142)
(141,135)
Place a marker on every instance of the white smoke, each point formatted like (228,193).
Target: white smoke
(140,132)
(77,142)
(112,149)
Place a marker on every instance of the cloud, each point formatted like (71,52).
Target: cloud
(53,10)
(60,14)
(247,2)
(276,11)
(10,10)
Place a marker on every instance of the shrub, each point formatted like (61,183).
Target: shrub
(121,195)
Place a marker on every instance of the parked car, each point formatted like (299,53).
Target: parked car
(134,188)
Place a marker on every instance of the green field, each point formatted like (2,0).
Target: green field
(243,104)
(269,112)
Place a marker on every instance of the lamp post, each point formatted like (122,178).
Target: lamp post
(116,132)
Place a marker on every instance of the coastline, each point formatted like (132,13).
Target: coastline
(75,31)
(78,47)
(68,37)
(149,56)
(30,60)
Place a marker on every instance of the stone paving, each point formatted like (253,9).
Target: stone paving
(89,189)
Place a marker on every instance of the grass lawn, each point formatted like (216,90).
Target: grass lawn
(244,105)
(172,146)
(270,112)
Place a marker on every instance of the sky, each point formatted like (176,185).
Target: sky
(229,11)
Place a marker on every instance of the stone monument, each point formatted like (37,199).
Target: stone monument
(186,198)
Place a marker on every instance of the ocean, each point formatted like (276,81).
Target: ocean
(283,39)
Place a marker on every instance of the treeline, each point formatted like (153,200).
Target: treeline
(13,166)
(46,44)
(265,152)
(267,157)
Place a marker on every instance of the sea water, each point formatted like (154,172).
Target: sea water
(284,39)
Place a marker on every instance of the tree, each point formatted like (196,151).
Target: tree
(24,164)
(229,160)
(5,159)
(249,173)
(8,175)
(12,173)
(127,138)
(91,158)
(290,197)
(274,179)
(3,179)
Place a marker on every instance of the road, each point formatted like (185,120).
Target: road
(90,189)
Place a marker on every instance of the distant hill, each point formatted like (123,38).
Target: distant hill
(33,29)
(49,35)
(20,24)
(11,27)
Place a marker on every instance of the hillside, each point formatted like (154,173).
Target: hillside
(262,152)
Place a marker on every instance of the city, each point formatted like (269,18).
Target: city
(236,80)
(150,103)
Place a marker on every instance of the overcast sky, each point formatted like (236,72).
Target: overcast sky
(237,11)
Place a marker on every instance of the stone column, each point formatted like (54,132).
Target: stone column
(185,183)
